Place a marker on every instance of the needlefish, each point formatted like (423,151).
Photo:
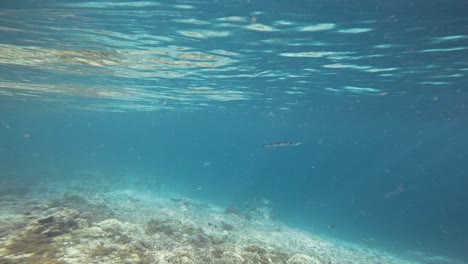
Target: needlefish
(282,144)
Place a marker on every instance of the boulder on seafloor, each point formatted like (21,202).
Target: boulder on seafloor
(303,259)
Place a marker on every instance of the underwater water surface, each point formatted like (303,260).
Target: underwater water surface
(346,120)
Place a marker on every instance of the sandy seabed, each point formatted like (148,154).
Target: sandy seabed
(85,222)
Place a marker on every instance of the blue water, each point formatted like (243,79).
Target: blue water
(183,94)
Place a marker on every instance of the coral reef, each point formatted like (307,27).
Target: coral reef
(126,227)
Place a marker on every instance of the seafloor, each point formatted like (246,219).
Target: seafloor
(88,220)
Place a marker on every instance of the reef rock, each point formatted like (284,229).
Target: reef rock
(303,259)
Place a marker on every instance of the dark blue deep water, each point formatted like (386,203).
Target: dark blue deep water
(182,96)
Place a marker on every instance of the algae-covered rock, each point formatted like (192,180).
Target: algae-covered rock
(56,224)
(303,259)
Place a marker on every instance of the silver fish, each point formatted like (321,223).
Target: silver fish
(281,144)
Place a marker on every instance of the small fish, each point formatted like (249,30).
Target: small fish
(281,144)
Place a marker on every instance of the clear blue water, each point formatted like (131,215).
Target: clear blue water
(185,93)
